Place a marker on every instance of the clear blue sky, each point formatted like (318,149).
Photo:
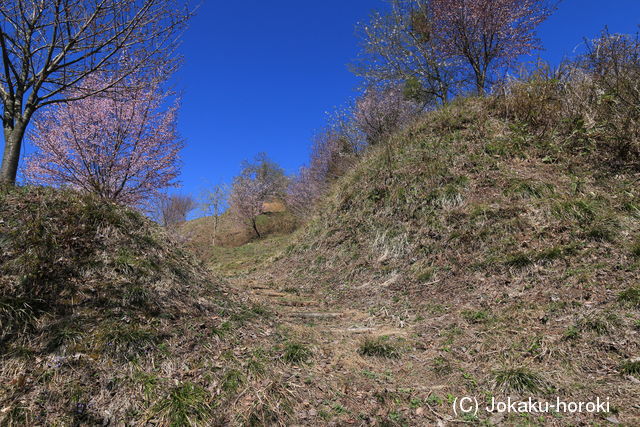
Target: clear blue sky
(260,75)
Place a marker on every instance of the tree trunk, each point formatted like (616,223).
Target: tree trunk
(255,227)
(215,230)
(480,82)
(13,136)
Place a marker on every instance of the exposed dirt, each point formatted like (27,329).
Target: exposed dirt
(344,386)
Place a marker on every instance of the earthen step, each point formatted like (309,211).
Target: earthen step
(316,315)
(272,294)
(355,330)
(290,303)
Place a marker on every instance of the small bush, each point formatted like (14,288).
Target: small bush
(591,101)
(379,347)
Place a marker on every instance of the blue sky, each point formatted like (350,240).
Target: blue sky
(261,75)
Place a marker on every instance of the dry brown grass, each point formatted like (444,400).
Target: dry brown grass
(492,242)
(198,233)
(472,255)
(105,320)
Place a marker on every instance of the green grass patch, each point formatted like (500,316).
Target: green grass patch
(379,347)
(519,380)
(630,296)
(601,324)
(479,316)
(127,341)
(583,211)
(523,259)
(186,404)
(572,333)
(529,189)
(631,367)
(232,380)
(148,383)
(296,353)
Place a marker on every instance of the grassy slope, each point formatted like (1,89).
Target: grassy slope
(499,262)
(199,233)
(105,320)
(514,258)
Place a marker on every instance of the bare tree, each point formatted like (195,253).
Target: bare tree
(172,210)
(214,201)
(51,46)
(259,181)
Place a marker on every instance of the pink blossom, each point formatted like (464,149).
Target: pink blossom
(120,146)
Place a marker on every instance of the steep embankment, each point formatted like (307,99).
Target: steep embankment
(104,320)
(512,255)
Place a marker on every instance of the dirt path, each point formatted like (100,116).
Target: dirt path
(343,386)
(305,311)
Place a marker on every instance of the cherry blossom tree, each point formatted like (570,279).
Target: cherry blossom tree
(445,44)
(122,146)
(373,117)
(49,47)
(259,181)
(398,48)
(484,33)
(331,156)
(381,111)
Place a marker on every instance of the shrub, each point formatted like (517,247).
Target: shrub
(613,62)
(592,101)
(534,97)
